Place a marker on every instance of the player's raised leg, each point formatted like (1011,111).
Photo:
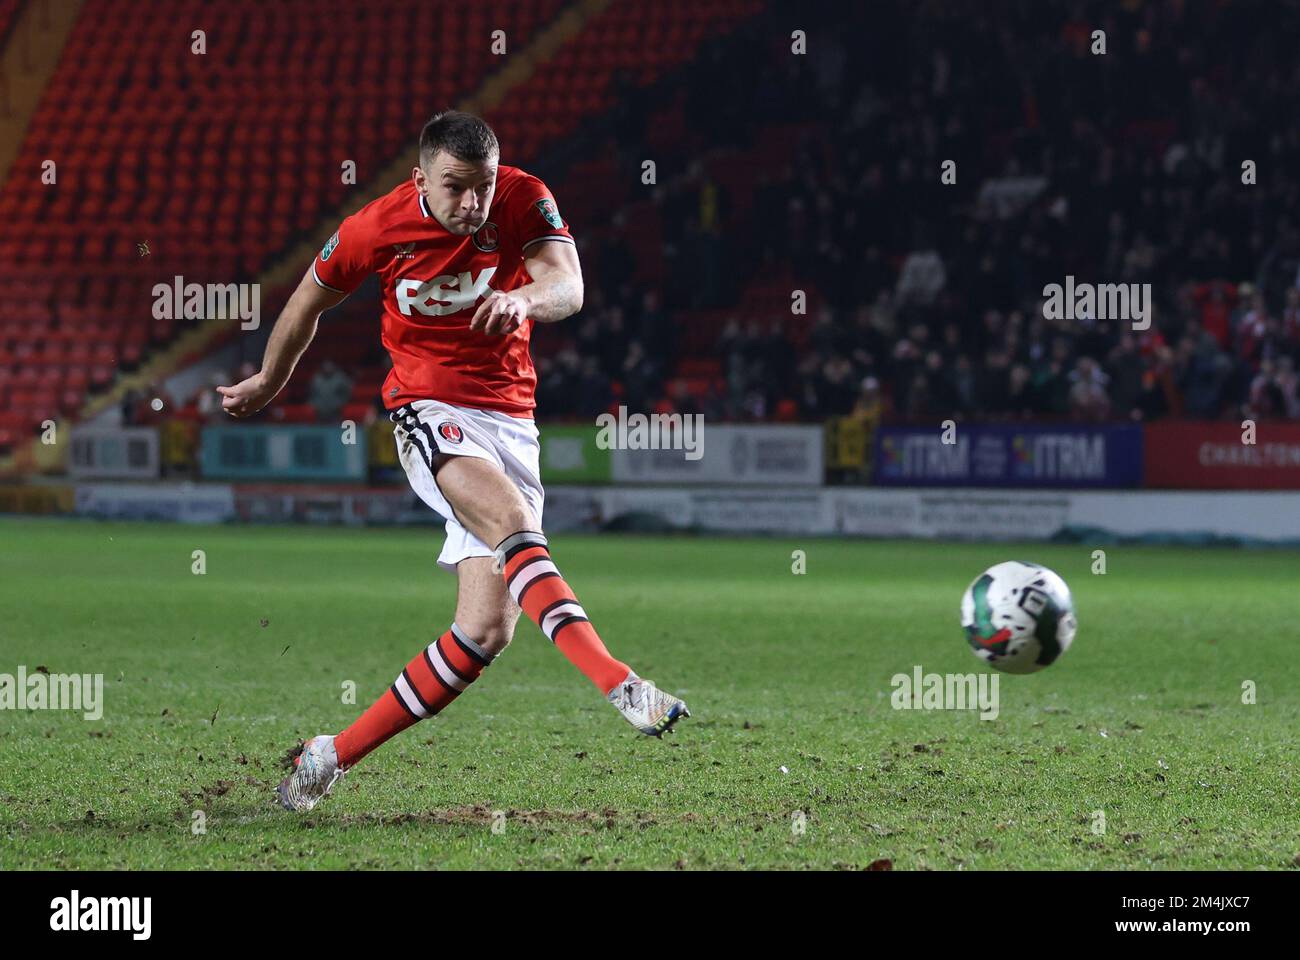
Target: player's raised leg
(489,505)
(437,675)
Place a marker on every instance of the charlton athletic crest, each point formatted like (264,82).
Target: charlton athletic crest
(450,432)
(486,237)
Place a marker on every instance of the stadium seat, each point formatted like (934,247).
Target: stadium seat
(202,158)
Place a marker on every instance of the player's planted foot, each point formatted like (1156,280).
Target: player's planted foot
(315,771)
(646,707)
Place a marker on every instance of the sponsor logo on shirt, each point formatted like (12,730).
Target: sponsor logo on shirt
(443,295)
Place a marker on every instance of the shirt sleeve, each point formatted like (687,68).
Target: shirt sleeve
(535,217)
(348,256)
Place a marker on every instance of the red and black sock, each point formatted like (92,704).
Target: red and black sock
(538,588)
(437,676)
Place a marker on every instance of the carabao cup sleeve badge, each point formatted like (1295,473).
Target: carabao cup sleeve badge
(330,244)
(547,208)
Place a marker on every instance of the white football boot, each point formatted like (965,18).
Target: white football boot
(315,771)
(646,707)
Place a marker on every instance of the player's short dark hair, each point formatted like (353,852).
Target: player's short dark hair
(463,135)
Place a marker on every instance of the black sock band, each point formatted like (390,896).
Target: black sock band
(512,544)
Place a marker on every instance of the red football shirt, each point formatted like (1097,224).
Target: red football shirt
(432,283)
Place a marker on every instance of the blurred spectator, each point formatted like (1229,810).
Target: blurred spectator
(1205,370)
(130,407)
(208,402)
(1126,367)
(148,407)
(680,399)
(921,278)
(593,389)
(640,376)
(1288,383)
(1088,397)
(1268,400)
(330,391)
(870,405)
(836,388)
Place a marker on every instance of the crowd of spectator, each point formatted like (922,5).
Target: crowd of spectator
(1128,166)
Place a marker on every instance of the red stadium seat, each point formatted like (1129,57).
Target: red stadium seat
(294,413)
(209,161)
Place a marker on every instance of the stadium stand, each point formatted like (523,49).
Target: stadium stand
(200,158)
(933,293)
(775,173)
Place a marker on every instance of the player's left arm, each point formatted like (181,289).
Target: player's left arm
(555,293)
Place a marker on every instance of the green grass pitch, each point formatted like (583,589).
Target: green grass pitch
(788,677)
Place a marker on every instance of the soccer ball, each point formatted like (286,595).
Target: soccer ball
(1018,616)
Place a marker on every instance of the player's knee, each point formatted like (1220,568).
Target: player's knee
(493,635)
(516,518)
(500,638)
(497,637)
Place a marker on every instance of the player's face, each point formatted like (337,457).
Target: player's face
(459,193)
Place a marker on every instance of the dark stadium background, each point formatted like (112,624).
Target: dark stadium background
(775,172)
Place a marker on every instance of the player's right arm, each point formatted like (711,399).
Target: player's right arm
(345,260)
(293,332)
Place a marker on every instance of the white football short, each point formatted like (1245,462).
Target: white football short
(425,428)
